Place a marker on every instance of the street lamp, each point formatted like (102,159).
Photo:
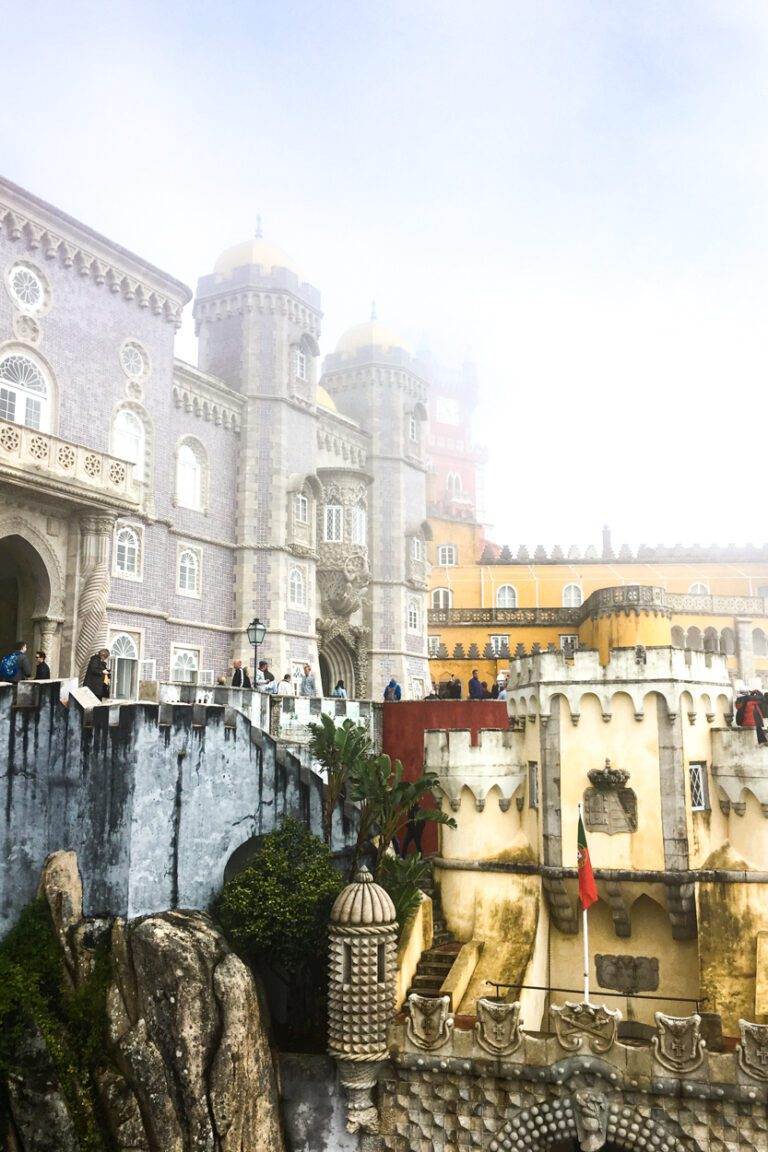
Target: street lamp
(256,632)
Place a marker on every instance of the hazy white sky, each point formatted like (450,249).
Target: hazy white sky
(573,191)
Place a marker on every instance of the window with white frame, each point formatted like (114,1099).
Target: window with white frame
(24,397)
(447,555)
(699,588)
(127,552)
(506,596)
(300,364)
(27,287)
(301,508)
(453,485)
(134,360)
(417,548)
(697,775)
(359,525)
(413,428)
(413,616)
(128,438)
(499,643)
(124,660)
(297,588)
(333,527)
(569,641)
(185,663)
(442,597)
(433,645)
(189,477)
(533,784)
(189,572)
(417,688)
(573,597)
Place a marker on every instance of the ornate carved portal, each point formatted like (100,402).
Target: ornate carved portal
(344,648)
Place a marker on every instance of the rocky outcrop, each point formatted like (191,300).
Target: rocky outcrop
(187,1064)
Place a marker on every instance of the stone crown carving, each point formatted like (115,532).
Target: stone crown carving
(608,779)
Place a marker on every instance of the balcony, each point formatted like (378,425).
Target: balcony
(72,472)
(563,617)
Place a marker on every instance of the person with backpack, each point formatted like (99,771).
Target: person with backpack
(15,666)
(393,690)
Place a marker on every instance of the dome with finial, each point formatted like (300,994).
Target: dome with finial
(372,334)
(256,252)
(363,902)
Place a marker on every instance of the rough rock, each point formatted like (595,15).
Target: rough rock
(189,1067)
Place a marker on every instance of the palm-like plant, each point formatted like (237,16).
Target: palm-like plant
(340,750)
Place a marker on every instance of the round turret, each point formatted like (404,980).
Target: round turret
(372,334)
(363,902)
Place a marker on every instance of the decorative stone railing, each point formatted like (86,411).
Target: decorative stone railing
(66,466)
(716,605)
(570,617)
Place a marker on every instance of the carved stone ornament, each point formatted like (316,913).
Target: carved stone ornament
(678,1045)
(498,1026)
(590,1112)
(359,1082)
(429,1021)
(609,806)
(753,1051)
(575,1021)
(628,974)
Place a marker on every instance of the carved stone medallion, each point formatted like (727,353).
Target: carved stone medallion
(753,1050)
(498,1026)
(575,1021)
(590,1112)
(429,1021)
(677,1044)
(628,974)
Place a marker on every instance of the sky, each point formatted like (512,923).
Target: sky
(572,193)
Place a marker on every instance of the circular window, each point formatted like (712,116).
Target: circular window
(27,287)
(134,360)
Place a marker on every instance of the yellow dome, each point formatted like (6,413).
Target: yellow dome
(369,335)
(324,399)
(254,251)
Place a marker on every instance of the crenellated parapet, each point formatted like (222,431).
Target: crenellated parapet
(495,761)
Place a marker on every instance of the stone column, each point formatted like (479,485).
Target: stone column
(49,637)
(744,650)
(95,539)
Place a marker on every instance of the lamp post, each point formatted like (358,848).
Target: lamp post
(256,632)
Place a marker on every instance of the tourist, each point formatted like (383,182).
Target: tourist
(307,686)
(393,691)
(42,671)
(475,687)
(748,714)
(15,666)
(454,688)
(285,687)
(240,677)
(97,674)
(413,830)
(264,673)
(339,691)
(502,690)
(486,693)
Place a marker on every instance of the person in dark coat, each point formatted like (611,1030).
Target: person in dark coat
(475,687)
(240,677)
(97,674)
(413,830)
(752,717)
(42,671)
(15,666)
(454,688)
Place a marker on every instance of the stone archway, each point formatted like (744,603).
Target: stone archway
(26,591)
(586,1121)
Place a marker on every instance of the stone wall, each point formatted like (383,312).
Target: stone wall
(153,798)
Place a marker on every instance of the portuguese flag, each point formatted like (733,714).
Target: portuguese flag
(587,885)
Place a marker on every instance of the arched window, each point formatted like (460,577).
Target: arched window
(189,477)
(506,596)
(413,616)
(297,588)
(442,598)
(184,665)
(453,485)
(727,642)
(759,643)
(125,667)
(711,640)
(678,637)
(573,597)
(24,397)
(127,552)
(128,440)
(693,639)
(698,589)
(447,555)
(189,571)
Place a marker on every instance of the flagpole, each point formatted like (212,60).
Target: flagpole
(585,936)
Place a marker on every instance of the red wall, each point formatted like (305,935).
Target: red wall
(406,721)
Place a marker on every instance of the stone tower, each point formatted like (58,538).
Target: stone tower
(258,323)
(361,991)
(375,380)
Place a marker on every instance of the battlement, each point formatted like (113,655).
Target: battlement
(453,751)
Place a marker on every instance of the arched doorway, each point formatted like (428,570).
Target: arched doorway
(25,591)
(337,663)
(125,667)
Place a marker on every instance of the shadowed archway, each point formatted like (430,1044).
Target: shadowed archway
(25,591)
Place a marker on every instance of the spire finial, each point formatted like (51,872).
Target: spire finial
(258,227)
(373,311)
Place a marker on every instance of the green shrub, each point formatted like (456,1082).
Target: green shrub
(401,877)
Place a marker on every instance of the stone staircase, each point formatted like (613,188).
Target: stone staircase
(436,962)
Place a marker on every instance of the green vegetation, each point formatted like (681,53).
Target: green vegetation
(402,877)
(339,749)
(47,1028)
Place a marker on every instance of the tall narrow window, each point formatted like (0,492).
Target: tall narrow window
(533,784)
(346,964)
(433,645)
(297,588)
(127,552)
(125,667)
(506,596)
(413,616)
(23,392)
(442,598)
(381,963)
(128,439)
(334,524)
(359,525)
(189,571)
(189,478)
(697,774)
(413,429)
(300,364)
(453,485)
(417,548)
(301,508)
(572,596)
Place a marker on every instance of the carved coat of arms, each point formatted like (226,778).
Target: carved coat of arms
(677,1044)
(574,1022)
(753,1050)
(429,1020)
(498,1026)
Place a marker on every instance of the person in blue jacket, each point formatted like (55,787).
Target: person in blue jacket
(392,690)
